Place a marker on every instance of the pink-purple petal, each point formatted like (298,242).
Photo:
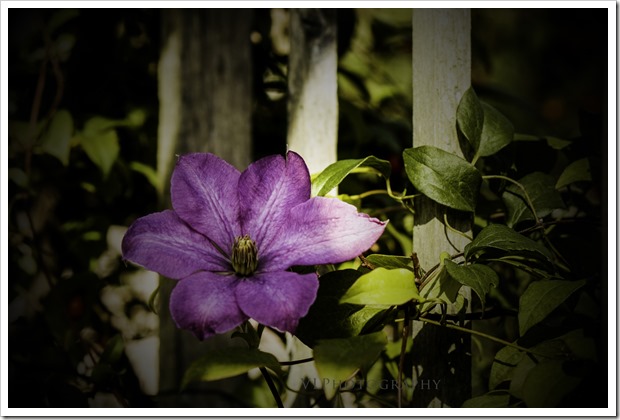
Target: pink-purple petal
(268,188)
(322,231)
(277,299)
(164,243)
(205,304)
(203,189)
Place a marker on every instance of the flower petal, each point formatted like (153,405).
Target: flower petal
(205,304)
(164,243)
(322,231)
(277,299)
(268,188)
(204,193)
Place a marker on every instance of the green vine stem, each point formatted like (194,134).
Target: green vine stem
(297,362)
(450,228)
(525,194)
(481,334)
(401,362)
(272,387)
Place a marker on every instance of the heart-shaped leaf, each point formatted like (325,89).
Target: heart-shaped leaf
(503,238)
(443,177)
(541,298)
(579,170)
(477,276)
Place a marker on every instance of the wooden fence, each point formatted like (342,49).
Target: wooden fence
(205,106)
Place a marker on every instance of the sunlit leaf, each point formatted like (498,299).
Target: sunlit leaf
(336,172)
(541,190)
(443,177)
(339,359)
(383,287)
(228,362)
(477,276)
(579,170)
(328,318)
(502,238)
(57,139)
(541,298)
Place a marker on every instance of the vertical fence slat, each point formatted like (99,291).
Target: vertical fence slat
(205,106)
(441,50)
(313,100)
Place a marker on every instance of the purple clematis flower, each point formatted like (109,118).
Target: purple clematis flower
(232,237)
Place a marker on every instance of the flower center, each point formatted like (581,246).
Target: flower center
(244,256)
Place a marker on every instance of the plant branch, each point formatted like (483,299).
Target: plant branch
(297,362)
(401,362)
(484,335)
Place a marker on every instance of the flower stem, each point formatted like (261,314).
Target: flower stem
(272,387)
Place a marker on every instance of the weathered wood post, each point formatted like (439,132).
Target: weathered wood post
(205,97)
(441,51)
(312,115)
(312,85)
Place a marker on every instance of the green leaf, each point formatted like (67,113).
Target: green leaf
(443,177)
(100,142)
(228,362)
(503,238)
(541,298)
(547,383)
(497,131)
(506,360)
(541,189)
(444,288)
(470,118)
(383,287)
(582,346)
(477,276)
(336,172)
(57,139)
(390,261)
(577,171)
(494,399)
(328,318)
(339,359)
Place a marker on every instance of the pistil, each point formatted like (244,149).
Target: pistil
(244,257)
